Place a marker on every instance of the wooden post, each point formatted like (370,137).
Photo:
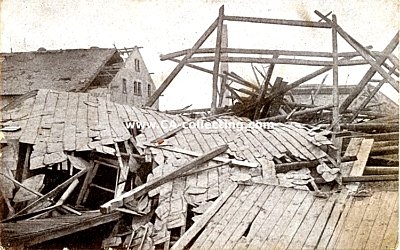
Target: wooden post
(224,67)
(376,65)
(370,73)
(217,59)
(181,64)
(335,92)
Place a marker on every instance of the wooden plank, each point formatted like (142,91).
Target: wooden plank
(143,189)
(32,127)
(248,218)
(352,223)
(307,155)
(284,221)
(233,223)
(217,217)
(319,226)
(330,226)
(122,173)
(105,132)
(218,159)
(82,135)
(69,139)
(362,158)
(190,234)
(382,220)
(289,147)
(390,240)
(229,215)
(152,99)
(367,222)
(269,222)
(307,224)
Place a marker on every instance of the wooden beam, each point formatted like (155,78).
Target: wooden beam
(167,135)
(290,53)
(381,170)
(280,118)
(224,67)
(195,229)
(376,65)
(335,92)
(143,189)
(217,58)
(277,21)
(55,191)
(241,80)
(305,62)
(370,178)
(153,98)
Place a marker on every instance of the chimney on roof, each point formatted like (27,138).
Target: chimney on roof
(94,47)
(42,49)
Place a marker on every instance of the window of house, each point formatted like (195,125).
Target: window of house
(124,86)
(148,90)
(139,88)
(135,88)
(137,65)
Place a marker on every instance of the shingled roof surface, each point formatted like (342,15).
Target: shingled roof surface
(63,70)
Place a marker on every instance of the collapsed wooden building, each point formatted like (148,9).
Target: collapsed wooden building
(266,172)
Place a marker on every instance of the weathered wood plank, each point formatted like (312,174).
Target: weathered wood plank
(269,222)
(32,127)
(69,139)
(217,217)
(307,224)
(206,217)
(248,218)
(82,135)
(362,158)
(284,221)
(232,224)
(382,220)
(390,240)
(352,223)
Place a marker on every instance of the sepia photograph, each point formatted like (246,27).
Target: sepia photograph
(199,124)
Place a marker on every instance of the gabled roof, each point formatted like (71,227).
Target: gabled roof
(63,70)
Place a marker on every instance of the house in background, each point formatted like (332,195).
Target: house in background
(95,70)
(310,94)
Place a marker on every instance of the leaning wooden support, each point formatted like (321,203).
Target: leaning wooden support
(370,73)
(55,191)
(143,189)
(179,67)
(376,65)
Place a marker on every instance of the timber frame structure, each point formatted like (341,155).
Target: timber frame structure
(262,97)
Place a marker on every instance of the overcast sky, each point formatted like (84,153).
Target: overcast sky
(161,27)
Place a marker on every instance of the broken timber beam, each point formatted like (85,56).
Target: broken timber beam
(179,67)
(371,178)
(381,170)
(217,159)
(145,188)
(280,118)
